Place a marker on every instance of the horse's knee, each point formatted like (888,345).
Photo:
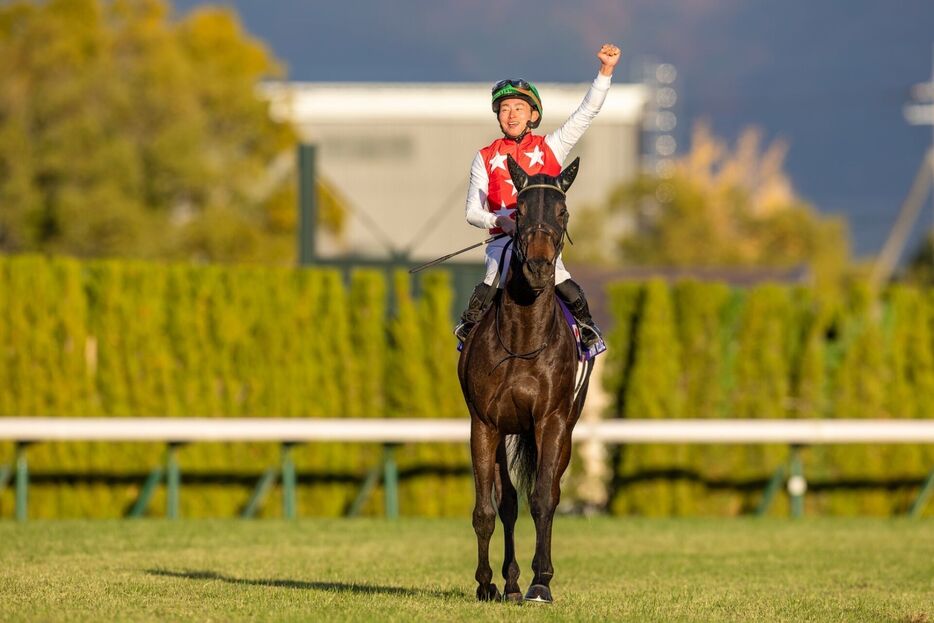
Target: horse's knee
(543,503)
(484,520)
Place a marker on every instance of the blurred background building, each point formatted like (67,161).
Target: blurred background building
(399,155)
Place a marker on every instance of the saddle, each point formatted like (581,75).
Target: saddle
(583,354)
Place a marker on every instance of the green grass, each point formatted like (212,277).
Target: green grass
(414,569)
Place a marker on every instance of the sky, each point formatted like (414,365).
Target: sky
(830,77)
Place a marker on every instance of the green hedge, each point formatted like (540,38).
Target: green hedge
(701,351)
(116,338)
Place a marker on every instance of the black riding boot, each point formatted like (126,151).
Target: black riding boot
(474,311)
(573,297)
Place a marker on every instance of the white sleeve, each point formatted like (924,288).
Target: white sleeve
(562,140)
(476,212)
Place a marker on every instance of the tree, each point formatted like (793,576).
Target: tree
(126,131)
(920,267)
(720,208)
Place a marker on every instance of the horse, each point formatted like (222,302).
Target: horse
(518,370)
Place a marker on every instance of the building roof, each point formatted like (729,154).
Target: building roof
(338,102)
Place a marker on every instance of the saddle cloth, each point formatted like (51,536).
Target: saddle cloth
(582,353)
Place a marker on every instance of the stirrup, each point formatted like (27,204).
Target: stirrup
(479,302)
(590,334)
(462,330)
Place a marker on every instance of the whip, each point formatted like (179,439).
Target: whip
(450,255)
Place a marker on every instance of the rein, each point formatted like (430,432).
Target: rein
(559,245)
(531,354)
(519,254)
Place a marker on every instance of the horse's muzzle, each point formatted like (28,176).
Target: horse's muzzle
(539,273)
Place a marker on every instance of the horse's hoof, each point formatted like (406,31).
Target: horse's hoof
(539,593)
(514,598)
(489,593)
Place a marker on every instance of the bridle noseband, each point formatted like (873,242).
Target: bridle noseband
(558,244)
(551,186)
(520,255)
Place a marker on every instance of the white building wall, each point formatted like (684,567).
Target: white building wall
(402,154)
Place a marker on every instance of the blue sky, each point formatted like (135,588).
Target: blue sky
(829,76)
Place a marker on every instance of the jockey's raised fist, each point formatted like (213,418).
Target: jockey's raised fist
(609,56)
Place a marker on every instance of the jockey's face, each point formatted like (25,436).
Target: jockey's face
(514,116)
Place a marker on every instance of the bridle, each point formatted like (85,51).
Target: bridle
(557,239)
(521,236)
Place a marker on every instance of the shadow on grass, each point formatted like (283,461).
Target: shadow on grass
(343,587)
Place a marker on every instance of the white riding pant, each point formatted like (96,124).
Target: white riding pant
(494,251)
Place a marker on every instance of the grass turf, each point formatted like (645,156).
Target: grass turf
(419,569)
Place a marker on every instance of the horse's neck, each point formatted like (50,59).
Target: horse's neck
(525,315)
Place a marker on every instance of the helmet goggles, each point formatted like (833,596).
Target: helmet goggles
(522,89)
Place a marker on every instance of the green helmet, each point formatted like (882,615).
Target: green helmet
(521,89)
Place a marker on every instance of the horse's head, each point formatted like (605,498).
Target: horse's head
(541,221)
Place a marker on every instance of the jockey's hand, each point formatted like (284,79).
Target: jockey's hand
(609,56)
(506,224)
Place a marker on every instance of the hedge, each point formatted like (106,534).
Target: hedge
(701,351)
(119,338)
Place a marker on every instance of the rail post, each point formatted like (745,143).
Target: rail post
(173,480)
(773,487)
(22,482)
(391,480)
(927,488)
(288,481)
(266,482)
(797,484)
(5,474)
(369,483)
(145,494)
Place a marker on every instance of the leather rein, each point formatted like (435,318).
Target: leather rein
(520,255)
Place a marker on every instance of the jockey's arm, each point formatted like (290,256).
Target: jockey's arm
(562,140)
(476,212)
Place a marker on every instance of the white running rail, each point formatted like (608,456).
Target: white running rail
(180,430)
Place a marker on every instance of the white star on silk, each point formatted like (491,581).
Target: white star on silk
(504,211)
(498,161)
(513,184)
(536,156)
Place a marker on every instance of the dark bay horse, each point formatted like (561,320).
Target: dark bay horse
(518,371)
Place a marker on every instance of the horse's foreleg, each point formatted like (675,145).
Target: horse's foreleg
(554,453)
(508,503)
(483,442)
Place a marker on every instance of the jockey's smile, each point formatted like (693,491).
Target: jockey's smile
(514,116)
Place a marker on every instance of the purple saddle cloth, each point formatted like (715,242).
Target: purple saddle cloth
(582,353)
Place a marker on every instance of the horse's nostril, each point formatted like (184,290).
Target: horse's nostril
(538,270)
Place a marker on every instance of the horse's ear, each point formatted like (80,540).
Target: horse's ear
(519,177)
(567,176)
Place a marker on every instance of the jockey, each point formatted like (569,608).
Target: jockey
(491,198)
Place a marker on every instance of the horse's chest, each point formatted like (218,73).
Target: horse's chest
(520,400)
